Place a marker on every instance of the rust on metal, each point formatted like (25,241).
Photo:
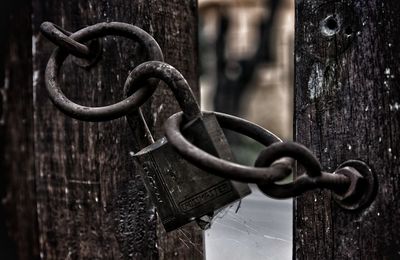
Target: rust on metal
(353,184)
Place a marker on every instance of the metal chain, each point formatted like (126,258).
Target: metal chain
(353,184)
(96,31)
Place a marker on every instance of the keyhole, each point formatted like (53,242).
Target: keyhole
(330,26)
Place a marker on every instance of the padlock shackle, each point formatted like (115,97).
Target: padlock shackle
(136,83)
(221,167)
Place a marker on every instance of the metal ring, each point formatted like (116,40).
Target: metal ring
(105,112)
(174,80)
(219,166)
(61,38)
(293,150)
(301,184)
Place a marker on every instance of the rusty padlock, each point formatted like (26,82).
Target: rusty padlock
(181,191)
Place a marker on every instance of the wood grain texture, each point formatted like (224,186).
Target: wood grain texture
(18,225)
(347,107)
(91,201)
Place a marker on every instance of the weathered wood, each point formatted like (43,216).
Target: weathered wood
(90,200)
(348,107)
(18,226)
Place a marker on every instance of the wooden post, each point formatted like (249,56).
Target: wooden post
(348,107)
(71,190)
(18,220)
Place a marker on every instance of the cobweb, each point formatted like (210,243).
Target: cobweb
(257,227)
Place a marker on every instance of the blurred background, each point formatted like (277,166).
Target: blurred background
(246,52)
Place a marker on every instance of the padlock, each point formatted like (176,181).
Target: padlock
(180,191)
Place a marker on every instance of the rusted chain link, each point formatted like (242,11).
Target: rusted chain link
(96,31)
(353,183)
(63,39)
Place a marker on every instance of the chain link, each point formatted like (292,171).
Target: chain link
(96,31)
(353,183)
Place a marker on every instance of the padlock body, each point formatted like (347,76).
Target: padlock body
(180,191)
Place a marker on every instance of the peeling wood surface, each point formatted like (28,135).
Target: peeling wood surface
(348,107)
(91,203)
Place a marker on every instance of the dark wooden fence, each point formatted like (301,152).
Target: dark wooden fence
(347,107)
(69,189)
